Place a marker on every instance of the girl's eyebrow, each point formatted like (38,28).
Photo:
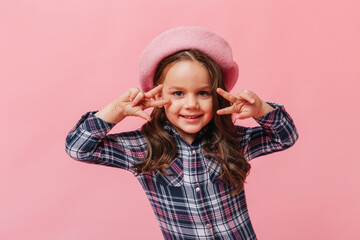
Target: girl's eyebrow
(181,88)
(175,87)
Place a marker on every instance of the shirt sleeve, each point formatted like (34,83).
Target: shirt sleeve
(276,132)
(90,142)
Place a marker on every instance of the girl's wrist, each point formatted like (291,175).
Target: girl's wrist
(112,113)
(264,109)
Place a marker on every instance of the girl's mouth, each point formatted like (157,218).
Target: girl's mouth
(190,116)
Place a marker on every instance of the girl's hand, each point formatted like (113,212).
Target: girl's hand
(245,104)
(135,101)
(132,103)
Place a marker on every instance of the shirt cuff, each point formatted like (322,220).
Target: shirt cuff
(95,125)
(273,117)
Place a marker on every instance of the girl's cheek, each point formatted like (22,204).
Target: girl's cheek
(175,100)
(173,103)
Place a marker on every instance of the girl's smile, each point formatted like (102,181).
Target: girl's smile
(188,85)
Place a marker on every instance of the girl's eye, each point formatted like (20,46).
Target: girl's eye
(178,93)
(204,93)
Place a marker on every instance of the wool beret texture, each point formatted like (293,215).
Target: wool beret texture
(184,38)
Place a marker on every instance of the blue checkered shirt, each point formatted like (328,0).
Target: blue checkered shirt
(193,204)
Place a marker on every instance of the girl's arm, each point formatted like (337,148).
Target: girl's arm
(88,141)
(276,131)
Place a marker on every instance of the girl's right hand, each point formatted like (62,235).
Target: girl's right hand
(132,103)
(135,101)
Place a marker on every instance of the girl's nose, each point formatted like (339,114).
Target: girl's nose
(191,102)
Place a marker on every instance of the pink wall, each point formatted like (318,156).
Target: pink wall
(60,59)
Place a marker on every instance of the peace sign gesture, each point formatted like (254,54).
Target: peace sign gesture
(245,104)
(132,103)
(135,101)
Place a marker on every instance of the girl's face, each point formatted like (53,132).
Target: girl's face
(188,85)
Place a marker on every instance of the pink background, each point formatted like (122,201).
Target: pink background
(60,59)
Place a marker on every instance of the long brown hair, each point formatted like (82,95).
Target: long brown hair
(224,145)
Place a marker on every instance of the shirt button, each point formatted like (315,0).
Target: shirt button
(208,226)
(197,189)
(193,152)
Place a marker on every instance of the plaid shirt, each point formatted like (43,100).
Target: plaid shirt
(193,204)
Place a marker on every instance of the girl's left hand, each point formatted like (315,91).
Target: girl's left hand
(245,104)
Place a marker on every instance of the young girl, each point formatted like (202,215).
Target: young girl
(189,157)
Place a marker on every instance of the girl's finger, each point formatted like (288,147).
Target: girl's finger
(247,95)
(243,115)
(227,110)
(152,93)
(157,103)
(133,93)
(226,95)
(138,98)
(143,115)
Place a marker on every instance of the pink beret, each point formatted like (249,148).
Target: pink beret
(183,38)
